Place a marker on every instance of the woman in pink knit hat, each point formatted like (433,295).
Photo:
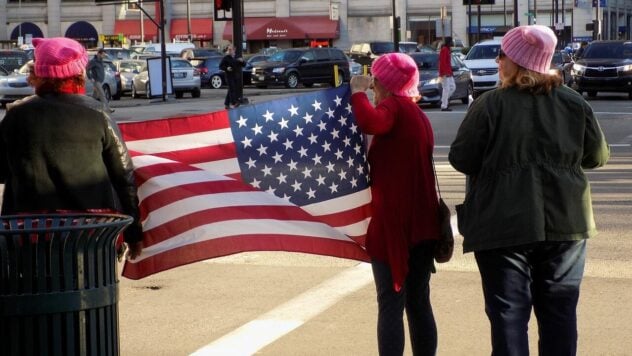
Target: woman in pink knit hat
(405,222)
(527,212)
(59,151)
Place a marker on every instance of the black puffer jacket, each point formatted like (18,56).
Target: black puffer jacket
(62,152)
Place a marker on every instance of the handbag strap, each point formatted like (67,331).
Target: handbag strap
(434,170)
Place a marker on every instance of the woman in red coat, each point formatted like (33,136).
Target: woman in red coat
(405,223)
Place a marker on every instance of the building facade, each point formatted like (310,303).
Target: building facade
(293,23)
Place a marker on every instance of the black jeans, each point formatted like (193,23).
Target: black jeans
(231,94)
(414,297)
(545,276)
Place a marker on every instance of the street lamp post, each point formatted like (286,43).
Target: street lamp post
(395,29)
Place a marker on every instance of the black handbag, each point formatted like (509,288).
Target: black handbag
(444,247)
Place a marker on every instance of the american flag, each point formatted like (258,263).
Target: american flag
(283,175)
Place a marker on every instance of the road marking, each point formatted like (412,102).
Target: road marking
(272,325)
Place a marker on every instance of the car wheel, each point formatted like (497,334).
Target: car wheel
(630,95)
(179,94)
(261,86)
(292,81)
(196,93)
(106,91)
(592,94)
(216,82)
(470,91)
(308,85)
(117,96)
(134,93)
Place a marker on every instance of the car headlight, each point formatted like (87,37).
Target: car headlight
(278,70)
(434,81)
(578,69)
(625,68)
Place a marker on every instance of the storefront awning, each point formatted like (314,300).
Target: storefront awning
(286,28)
(82,31)
(26,28)
(132,29)
(201,29)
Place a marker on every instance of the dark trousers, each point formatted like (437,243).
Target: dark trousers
(545,276)
(414,297)
(231,95)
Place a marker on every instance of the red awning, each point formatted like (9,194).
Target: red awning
(201,29)
(286,28)
(131,29)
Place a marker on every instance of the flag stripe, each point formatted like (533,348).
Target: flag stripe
(181,224)
(242,243)
(176,126)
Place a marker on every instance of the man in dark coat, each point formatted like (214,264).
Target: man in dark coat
(231,65)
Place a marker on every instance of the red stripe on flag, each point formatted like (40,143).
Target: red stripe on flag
(202,154)
(185,223)
(234,244)
(143,130)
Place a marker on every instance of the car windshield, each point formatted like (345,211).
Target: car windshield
(285,56)
(11,60)
(382,47)
(407,47)
(131,67)
(607,50)
(483,52)
(427,60)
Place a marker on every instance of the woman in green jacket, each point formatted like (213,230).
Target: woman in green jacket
(527,211)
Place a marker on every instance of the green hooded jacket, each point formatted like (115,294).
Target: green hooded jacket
(525,156)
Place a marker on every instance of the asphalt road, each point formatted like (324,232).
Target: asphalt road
(271,303)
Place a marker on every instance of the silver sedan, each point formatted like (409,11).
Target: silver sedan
(184,78)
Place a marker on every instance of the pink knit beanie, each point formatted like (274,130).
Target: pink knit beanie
(59,57)
(530,47)
(398,73)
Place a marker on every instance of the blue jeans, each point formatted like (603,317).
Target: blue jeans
(414,297)
(545,276)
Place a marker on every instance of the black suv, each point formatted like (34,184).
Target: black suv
(364,53)
(306,66)
(604,66)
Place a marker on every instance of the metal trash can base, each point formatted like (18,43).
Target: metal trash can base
(59,284)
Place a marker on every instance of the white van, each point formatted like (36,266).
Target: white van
(171,48)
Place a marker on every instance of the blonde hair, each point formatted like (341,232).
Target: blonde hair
(532,82)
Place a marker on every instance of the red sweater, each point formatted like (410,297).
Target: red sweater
(445,62)
(404,199)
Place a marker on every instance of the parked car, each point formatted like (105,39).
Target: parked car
(481,60)
(12,59)
(365,52)
(14,86)
(210,74)
(292,67)
(430,85)
(127,69)
(184,78)
(112,83)
(562,64)
(117,53)
(605,66)
(190,53)
(408,47)
(250,62)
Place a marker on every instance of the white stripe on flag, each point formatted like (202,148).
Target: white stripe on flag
(263,227)
(181,142)
(198,203)
(167,181)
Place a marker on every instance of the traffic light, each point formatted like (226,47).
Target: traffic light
(223,10)
(225,5)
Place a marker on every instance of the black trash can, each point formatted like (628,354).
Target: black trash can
(59,284)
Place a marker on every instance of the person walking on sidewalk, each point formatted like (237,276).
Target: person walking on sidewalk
(445,73)
(59,151)
(96,73)
(405,222)
(231,65)
(527,211)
